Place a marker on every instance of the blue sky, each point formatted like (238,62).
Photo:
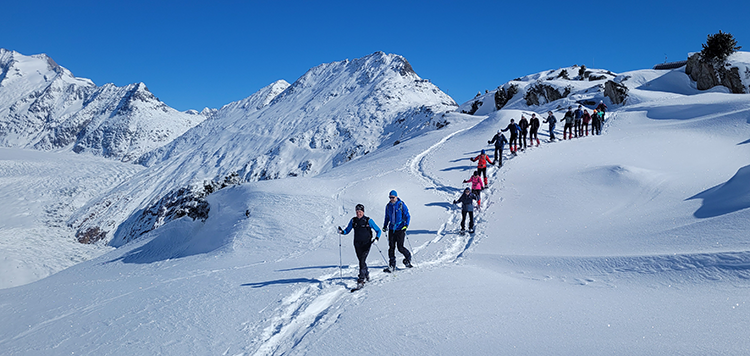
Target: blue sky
(196,54)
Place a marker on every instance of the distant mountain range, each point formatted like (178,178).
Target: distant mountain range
(43,106)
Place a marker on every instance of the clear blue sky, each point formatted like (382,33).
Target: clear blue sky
(196,54)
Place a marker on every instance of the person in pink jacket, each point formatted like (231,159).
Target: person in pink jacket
(476,186)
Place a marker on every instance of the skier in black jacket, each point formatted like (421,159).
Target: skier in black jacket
(513,135)
(467,207)
(524,126)
(533,129)
(362,226)
(499,140)
(552,120)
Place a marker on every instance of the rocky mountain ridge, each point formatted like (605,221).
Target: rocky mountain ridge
(43,106)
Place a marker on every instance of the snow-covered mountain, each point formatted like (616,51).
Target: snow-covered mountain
(43,106)
(334,113)
(632,242)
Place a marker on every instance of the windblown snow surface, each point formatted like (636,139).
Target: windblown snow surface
(632,242)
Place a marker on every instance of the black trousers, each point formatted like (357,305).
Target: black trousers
(498,156)
(362,248)
(396,240)
(463,219)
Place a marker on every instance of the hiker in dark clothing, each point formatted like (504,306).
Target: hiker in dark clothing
(533,129)
(499,140)
(569,118)
(467,207)
(586,119)
(523,124)
(601,108)
(513,135)
(596,123)
(578,114)
(552,120)
(362,226)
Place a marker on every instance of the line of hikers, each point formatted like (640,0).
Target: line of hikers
(397,216)
(576,125)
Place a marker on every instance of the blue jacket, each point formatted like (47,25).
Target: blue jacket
(397,215)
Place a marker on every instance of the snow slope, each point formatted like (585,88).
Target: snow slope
(40,191)
(633,242)
(335,113)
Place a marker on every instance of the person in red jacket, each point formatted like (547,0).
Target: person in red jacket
(482,160)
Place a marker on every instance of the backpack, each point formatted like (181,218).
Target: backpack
(365,224)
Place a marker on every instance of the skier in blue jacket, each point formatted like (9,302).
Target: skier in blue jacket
(396,221)
(362,226)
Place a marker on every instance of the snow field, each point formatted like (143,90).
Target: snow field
(624,243)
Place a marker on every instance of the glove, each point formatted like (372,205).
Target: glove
(341,231)
(404,228)
(488,142)
(374,240)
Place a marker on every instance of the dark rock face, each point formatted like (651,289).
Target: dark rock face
(708,74)
(616,92)
(539,94)
(503,96)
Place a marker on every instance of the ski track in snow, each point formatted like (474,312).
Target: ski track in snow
(310,308)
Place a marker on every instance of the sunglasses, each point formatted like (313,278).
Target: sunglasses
(390,197)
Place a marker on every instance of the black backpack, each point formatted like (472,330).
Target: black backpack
(365,221)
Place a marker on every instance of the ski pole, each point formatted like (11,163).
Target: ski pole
(341,276)
(381,253)
(412,248)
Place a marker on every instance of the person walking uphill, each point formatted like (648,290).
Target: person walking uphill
(523,124)
(552,120)
(482,164)
(467,207)
(397,220)
(476,187)
(569,119)
(513,127)
(499,140)
(362,226)
(533,130)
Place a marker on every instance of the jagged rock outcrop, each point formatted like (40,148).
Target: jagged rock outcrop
(708,74)
(503,95)
(616,92)
(541,93)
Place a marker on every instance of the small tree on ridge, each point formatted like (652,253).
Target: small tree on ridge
(719,46)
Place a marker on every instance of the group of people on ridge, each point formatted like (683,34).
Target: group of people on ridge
(576,122)
(397,220)
(397,216)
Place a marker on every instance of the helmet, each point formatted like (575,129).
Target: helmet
(360,207)
(482,151)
